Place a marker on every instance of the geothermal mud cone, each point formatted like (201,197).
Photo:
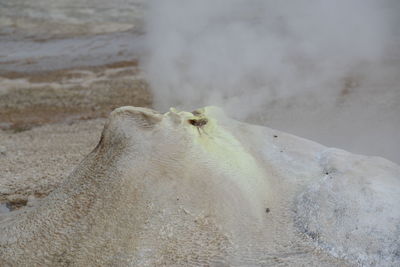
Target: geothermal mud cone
(198,188)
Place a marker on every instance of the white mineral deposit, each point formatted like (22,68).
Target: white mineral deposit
(201,189)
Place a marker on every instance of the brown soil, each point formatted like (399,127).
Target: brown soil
(32,99)
(48,122)
(58,75)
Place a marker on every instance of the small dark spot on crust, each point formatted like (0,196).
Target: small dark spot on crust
(198,122)
(327,173)
(275,136)
(313,235)
(267,210)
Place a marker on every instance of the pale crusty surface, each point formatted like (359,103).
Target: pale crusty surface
(199,189)
(35,161)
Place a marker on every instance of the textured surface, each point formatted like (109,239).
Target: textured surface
(159,190)
(33,162)
(30,99)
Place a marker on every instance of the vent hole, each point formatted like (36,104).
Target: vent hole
(198,122)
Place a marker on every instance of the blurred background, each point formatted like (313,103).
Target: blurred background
(328,71)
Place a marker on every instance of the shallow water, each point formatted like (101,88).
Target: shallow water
(47,35)
(4,208)
(29,55)
(68,17)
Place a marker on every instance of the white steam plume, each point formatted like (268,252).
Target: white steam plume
(303,66)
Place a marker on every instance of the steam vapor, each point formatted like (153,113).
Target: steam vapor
(325,70)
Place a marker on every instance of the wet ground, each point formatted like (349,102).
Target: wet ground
(32,99)
(68,61)
(63,67)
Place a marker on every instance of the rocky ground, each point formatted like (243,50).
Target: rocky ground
(63,68)
(51,120)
